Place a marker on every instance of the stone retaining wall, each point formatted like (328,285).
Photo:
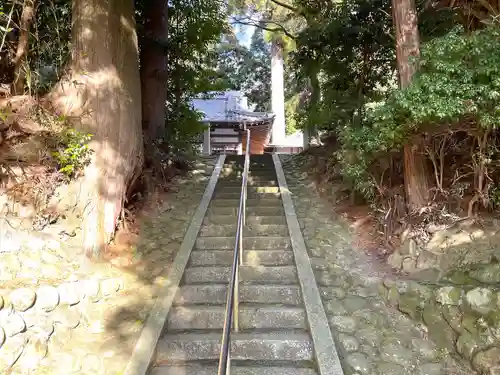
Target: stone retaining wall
(463,244)
(29,317)
(461,320)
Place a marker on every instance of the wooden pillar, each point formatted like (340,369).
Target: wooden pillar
(259,138)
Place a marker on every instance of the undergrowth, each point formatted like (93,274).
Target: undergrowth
(73,152)
(451,108)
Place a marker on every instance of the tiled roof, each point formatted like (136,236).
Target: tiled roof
(229,106)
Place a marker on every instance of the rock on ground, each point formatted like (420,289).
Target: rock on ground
(377,339)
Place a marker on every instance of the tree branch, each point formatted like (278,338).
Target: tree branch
(261,25)
(286,6)
(27,17)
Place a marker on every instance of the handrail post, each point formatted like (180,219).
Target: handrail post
(240,241)
(236,305)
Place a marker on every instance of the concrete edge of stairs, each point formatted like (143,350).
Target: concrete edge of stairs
(326,354)
(145,348)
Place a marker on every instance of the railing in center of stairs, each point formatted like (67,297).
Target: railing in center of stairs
(232,305)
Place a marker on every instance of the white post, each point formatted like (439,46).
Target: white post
(305,139)
(207,149)
(277,93)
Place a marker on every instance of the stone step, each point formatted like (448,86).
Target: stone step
(255,210)
(251,179)
(236,171)
(250,317)
(215,294)
(250,189)
(237,183)
(269,346)
(268,164)
(266,202)
(250,230)
(253,166)
(248,274)
(252,172)
(249,243)
(237,178)
(265,162)
(250,257)
(250,220)
(194,368)
(238,175)
(222,194)
(260,158)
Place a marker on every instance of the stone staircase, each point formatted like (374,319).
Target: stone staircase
(273,337)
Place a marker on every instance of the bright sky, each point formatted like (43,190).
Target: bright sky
(244,34)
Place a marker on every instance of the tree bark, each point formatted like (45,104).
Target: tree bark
(407,51)
(315,100)
(154,69)
(310,132)
(102,93)
(27,17)
(277,92)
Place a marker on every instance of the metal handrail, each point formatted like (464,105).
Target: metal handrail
(232,304)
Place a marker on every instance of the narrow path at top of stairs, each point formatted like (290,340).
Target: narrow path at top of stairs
(274,336)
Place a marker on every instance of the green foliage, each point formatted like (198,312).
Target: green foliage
(457,85)
(232,57)
(291,114)
(48,44)
(256,73)
(281,20)
(348,47)
(73,152)
(247,69)
(195,28)
(458,79)
(494,195)
(184,131)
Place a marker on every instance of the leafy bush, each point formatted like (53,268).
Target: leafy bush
(457,86)
(184,130)
(73,152)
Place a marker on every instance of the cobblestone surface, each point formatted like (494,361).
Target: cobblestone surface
(373,338)
(86,321)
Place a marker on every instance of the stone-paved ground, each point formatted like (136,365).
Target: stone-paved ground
(98,337)
(373,338)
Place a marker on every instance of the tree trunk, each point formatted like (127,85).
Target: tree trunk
(277,92)
(306,138)
(102,90)
(154,69)
(27,18)
(310,131)
(315,101)
(407,51)
(415,176)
